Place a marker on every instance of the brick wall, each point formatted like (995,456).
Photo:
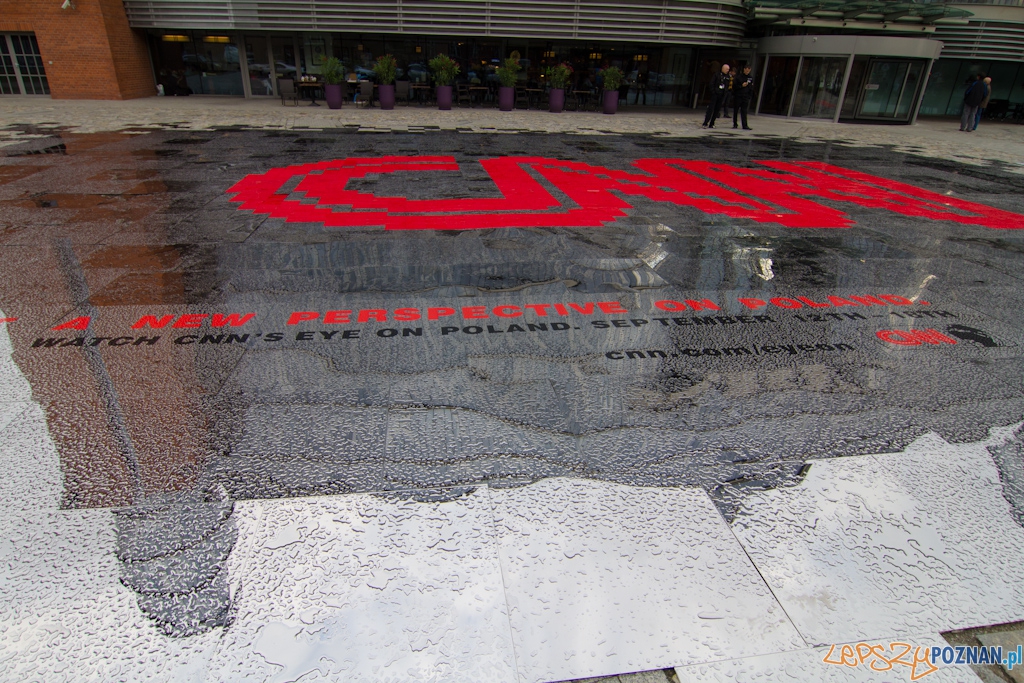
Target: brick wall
(89,52)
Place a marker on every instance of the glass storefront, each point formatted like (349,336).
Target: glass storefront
(944,95)
(197,62)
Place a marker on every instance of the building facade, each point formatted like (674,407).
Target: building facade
(801,51)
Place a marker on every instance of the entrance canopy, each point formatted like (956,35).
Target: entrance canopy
(869,15)
(876,78)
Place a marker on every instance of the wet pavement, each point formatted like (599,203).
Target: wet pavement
(341,405)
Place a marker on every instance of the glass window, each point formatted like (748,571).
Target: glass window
(819,87)
(778,85)
(941,85)
(8,79)
(676,80)
(285,65)
(21,52)
(314,52)
(1004,75)
(219,65)
(197,62)
(1017,93)
(257,57)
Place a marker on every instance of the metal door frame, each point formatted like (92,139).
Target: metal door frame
(14,63)
(912,112)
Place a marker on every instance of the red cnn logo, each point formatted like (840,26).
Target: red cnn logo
(785,193)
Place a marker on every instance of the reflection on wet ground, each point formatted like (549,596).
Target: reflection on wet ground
(189,354)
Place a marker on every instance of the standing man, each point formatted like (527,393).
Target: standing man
(641,86)
(742,92)
(987,82)
(720,85)
(972,99)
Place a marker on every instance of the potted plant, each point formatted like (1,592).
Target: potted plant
(445,70)
(334,76)
(611,79)
(558,77)
(508,72)
(385,68)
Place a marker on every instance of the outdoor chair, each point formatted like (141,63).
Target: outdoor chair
(365,93)
(997,110)
(462,94)
(522,98)
(287,90)
(402,91)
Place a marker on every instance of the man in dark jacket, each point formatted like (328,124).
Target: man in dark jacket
(742,92)
(720,85)
(987,82)
(972,100)
(641,86)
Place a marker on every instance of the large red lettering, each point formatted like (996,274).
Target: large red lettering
(232,319)
(80,323)
(779,192)
(152,321)
(914,337)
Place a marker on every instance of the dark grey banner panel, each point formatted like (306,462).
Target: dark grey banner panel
(667,21)
(1000,40)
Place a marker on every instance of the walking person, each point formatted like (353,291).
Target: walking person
(742,93)
(972,100)
(984,103)
(720,85)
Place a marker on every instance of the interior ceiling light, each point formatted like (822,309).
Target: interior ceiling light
(175,39)
(216,39)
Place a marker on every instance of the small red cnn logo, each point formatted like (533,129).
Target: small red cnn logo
(785,193)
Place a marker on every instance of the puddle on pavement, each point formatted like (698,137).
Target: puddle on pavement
(185,350)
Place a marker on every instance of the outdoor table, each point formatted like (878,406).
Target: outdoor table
(479,91)
(421,92)
(311,87)
(582,98)
(534,95)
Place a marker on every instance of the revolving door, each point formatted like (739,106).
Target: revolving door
(844,77)
(883,89)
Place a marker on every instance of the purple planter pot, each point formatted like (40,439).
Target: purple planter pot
(386,96)
(506,98)
(610,104)
(335,95)
(444,97)
(556,100)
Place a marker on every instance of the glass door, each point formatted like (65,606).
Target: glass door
(890,89)
(777,92)
(819,86)
(911,86)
